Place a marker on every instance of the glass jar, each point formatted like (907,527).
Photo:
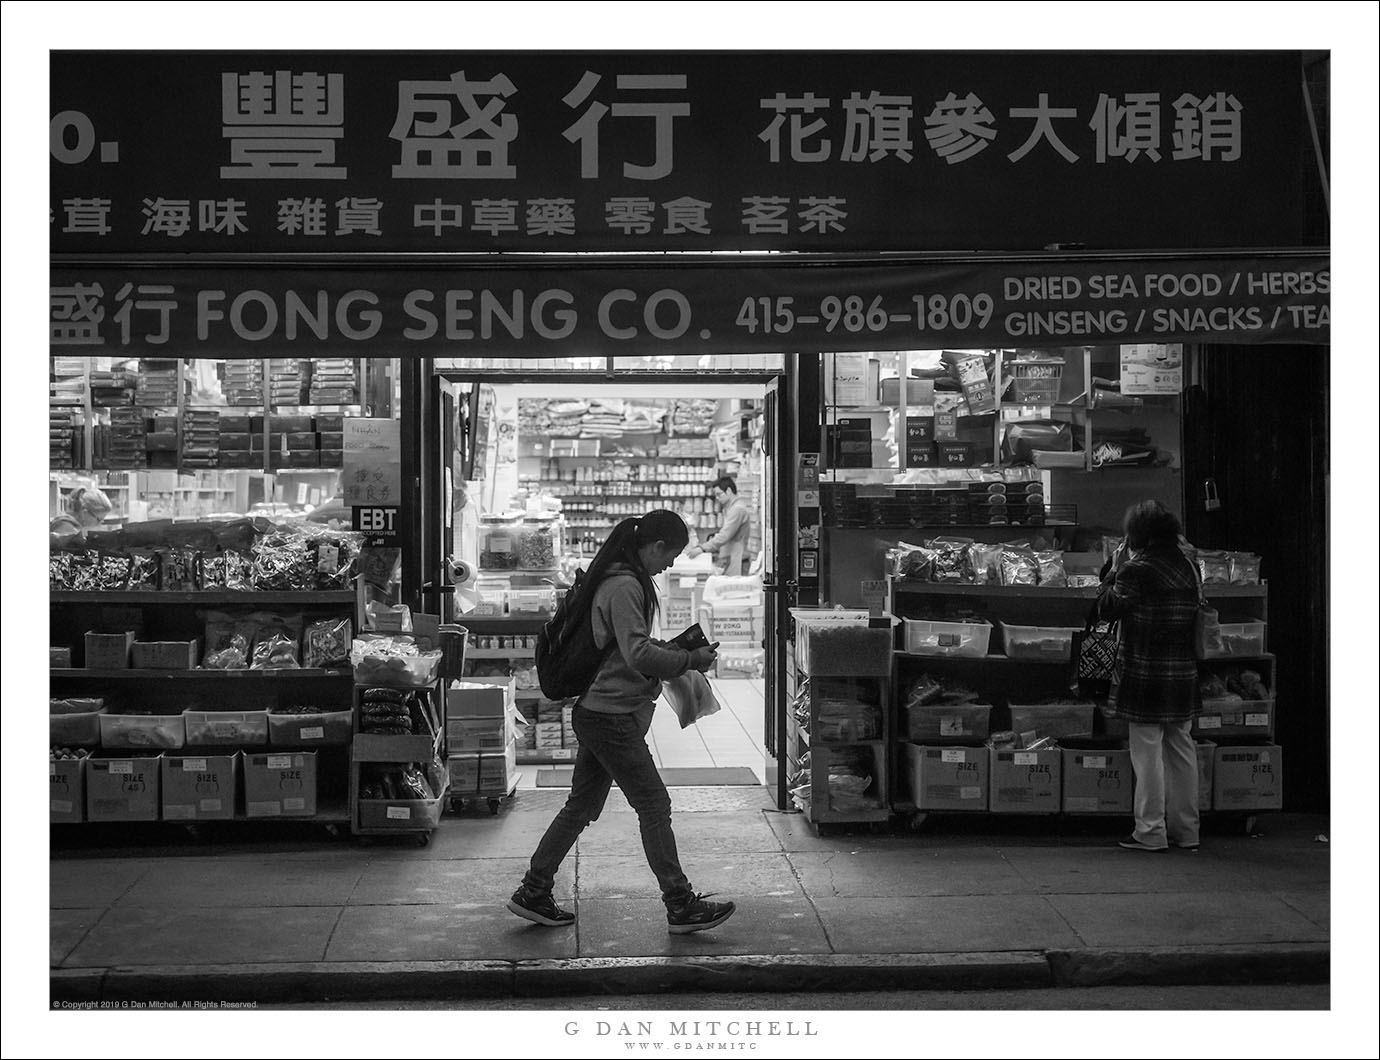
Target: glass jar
(539,542)
(498,541)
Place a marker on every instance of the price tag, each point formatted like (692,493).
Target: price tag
(688,581)
(564,753)
(1257,719)
(1027,758)
(211,805)
(122,769)
(970,793)
(302,492)
(951,725)
(280,761)
(874,596)
(953,756)
(399,813)
(1094,761)
(1265,758)
(1210,721)
(313,732)
(194,765)
(297,805)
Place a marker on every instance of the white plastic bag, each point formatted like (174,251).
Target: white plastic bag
(690,697)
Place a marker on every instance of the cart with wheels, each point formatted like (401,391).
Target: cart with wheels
(495,798)
(397,812)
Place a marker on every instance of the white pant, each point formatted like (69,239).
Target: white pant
(1165,762)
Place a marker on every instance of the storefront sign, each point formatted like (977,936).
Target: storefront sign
(244,152)
(1149,368)
(154,311)
(380,523)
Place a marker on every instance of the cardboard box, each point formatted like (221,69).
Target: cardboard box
(947,778)
(919,392)
(59,658)
(331,423)
(280,785)
(331,440)
(233,424)
(549,734)
(1026,781)
(921,454)
(1207,755)
(238,442)
(955,454)
(478,734)
(464,772)
(289,424)
(67,791)
(476,697)
(1097,781)
(240,459)
(332,458)
(166,654)
(304,440)
(109,651)
(200,788)
(498,770)
(122,789)
(945,425)
(1247,778)
(965,723)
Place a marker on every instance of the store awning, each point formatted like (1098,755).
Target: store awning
(706,306)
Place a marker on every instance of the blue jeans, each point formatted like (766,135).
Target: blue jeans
(613,747)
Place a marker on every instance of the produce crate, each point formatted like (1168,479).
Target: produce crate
(411,671)
(1241,638)
(967,640)
(226,728)
(142,732)
(76,730)
(1038,643)
(329,729)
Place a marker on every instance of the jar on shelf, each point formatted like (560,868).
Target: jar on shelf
(498,541)
(539,542)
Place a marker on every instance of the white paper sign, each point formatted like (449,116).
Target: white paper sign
(951,725)
(194,765)
(1210,721)
(373,462)
(280,761)
(1094,761)
(57,806)
(399,813)
(1152,369)
(969,793)
(1257,719)
(1027,758)
(122,768)
(294,804)
(211,805)
(313,732)
(953,756)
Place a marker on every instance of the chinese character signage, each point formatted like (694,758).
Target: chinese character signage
(833,152)
(373,463)
(730,308)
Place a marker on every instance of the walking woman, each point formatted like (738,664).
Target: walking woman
(611,721)
(1152,588)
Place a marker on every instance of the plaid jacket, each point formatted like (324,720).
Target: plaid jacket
(1155,597)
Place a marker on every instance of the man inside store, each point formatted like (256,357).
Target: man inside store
(730,545)
(85,508)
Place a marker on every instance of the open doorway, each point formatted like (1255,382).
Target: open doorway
(533,474)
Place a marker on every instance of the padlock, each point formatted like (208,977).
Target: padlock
(1211,501)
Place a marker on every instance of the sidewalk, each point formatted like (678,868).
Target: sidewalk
(962,904)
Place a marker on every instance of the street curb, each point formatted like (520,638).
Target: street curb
(363,982)
(1274,963)
(783,974)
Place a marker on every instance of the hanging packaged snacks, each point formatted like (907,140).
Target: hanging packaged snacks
(326,644)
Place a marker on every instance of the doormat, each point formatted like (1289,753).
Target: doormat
(677,777)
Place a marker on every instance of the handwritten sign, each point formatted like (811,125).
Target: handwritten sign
(372,462)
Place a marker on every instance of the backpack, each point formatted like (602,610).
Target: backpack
(567,658)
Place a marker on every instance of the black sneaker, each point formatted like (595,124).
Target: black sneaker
(539,908)
(1132,843)
(696,913)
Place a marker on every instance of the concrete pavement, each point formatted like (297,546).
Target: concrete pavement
(984,903)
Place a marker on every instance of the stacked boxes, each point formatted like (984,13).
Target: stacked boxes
(334,381)
(287,381)
(235,443)
(1248,778)
(122,788)
(201,438)
(157,383)
(201,788)
(1097,780)
(331,439)
(733,614)
(62,438)
(481,742)
(128,439)
(113,389)
(681,606)
(947,778)
(68,383)
(280,785)
(244,383)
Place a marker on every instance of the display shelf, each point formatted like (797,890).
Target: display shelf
(563,756)
(201,596)
(500,653)
(982,660)
(158,676)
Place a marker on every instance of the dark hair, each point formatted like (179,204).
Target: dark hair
(725,482)
(624,541)
(1150,524)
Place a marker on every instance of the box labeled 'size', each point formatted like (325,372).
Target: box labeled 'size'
(122,789)
(1097,781)
(280,785)
(1027,781)
(200,788)
(1248,778)
(947,778)
(67,791)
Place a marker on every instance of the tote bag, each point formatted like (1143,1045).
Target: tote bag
(1094,655)
(1207,628)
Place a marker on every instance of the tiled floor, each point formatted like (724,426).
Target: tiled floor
(732,737)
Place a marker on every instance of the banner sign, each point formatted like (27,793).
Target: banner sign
(331,152)
(597,310)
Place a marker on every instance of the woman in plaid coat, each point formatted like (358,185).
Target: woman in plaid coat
(1152,589)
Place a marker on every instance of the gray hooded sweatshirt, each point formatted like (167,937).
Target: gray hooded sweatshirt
(630,679)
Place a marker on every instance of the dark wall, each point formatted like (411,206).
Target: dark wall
(1256,420)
